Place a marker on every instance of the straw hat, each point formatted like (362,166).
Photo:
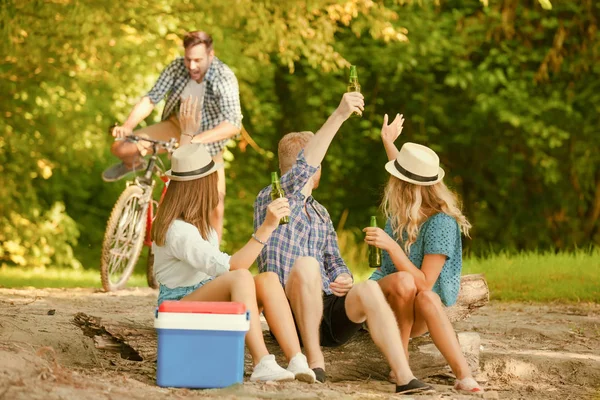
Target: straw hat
(416,164)
(190,162)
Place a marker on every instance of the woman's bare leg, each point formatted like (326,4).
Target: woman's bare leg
(236,286)
(430,316)
(272,300)
(400,291)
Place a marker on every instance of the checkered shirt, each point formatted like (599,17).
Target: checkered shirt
(221,98)
(310,235)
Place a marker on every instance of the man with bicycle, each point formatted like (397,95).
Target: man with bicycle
(199,74)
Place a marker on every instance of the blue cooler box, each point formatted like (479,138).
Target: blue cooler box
(200,344)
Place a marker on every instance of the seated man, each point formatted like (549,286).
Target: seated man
(328,308)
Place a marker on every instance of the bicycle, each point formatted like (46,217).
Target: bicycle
(130,223)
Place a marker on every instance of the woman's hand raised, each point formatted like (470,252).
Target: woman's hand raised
(190,116)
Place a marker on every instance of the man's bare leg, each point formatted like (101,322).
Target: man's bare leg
(365,301)
(217,215)
(304,290)
(130,153)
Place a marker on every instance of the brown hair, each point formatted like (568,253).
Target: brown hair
(289,147)
(191,201)
(195,38)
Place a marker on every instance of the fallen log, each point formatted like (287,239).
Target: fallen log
(358,359)
(474,293)
(135,343)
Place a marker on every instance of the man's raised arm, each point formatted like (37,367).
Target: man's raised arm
(315,150)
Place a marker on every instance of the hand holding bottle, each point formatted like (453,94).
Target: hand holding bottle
(374,252)
(278,209)
(351,102)
(277,193)
(379,238)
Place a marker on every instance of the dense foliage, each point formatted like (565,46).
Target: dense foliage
(506,91)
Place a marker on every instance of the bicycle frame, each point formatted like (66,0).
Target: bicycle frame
(147,179)
(150,213)
(130,209)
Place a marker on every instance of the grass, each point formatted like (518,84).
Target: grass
(542,277)
(528,276)
(531,276)
(58,278)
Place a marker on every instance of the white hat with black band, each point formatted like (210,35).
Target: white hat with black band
(416,164)
(190,162)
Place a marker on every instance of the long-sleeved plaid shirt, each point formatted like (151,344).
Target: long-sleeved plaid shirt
(221,98)
(309,233)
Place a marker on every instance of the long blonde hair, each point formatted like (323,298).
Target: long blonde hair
(407,206)
(191,201)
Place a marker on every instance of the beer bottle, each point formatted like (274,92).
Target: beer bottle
(374,252)
(354,86)
(277,193)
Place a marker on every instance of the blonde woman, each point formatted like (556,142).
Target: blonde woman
(422,250)
(190,267)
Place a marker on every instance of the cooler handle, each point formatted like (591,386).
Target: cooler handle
(247,315)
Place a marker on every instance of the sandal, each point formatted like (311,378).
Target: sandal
(320,375)
(468,385)
(414,386)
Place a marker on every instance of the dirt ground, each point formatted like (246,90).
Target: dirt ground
(526,352)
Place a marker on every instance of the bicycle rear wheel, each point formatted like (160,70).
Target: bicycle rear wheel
(152,282)
(123,238)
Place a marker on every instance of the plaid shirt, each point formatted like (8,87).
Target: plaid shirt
(221,98)
(310,235)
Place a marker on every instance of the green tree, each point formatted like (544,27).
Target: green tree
(505,91)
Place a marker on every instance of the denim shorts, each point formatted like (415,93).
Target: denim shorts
(165,293)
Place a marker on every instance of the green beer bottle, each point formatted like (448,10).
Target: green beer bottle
(374,252)
(277,193)
(353,85)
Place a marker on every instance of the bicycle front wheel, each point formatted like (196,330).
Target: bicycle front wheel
(124,238)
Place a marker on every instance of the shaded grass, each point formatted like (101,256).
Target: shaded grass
(58,278)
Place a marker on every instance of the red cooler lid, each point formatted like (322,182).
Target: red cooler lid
(202,307)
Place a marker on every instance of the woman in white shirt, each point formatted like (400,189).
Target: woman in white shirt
(190,267)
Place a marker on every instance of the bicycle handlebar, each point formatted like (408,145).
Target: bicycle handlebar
(161,143)
(169,146)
